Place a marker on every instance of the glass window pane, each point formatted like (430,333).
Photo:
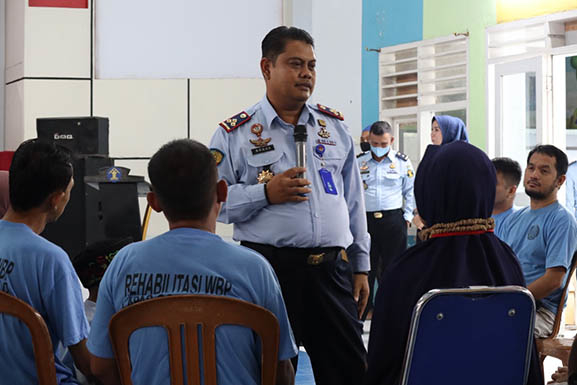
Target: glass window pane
(409,141)
(571,106)
(519,120)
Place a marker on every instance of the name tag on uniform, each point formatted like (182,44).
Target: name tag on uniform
(328,183)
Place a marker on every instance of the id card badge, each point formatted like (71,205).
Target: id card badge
(328,183)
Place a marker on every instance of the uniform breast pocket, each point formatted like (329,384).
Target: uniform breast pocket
(274,161)
(332,158)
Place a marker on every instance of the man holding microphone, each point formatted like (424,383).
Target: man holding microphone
(301,218)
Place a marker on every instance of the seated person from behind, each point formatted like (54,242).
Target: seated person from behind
(459,250)
(90,266)
(188,259)
(508,177)
(36,270)
(544,234)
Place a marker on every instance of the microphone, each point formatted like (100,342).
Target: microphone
(300,136)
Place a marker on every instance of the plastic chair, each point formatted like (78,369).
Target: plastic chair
(473,336)
(188,312)
(43,353)
(553,346)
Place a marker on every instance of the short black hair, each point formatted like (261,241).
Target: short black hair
(275,41)
(561,161)
(510,169)
(39,168)
(183,175)
(380,128)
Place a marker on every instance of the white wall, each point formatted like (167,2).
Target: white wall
(144,114)
(337,30)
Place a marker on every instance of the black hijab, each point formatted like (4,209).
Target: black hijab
(454,181)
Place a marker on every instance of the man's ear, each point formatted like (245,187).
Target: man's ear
(221,191)
(561,180)
(512,190)
(265,65)
(152,200)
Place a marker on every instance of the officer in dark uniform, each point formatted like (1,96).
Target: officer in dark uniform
(302,225)
(388,178)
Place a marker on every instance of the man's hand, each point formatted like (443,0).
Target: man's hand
(418,221)
(286,187)
(361,291)
(561,375)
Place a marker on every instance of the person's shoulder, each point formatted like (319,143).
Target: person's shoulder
(364,156)
(560,213)
(239,119)
(329,112)
(403,158)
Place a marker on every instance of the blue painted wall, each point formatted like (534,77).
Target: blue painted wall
(385,23)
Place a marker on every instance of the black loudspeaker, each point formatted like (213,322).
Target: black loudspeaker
(97,210)
(85,135)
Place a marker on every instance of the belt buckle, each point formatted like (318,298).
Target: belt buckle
(315,259)
(378,215)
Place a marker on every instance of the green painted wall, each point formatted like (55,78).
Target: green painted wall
(443,18)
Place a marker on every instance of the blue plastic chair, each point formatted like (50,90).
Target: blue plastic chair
(474,336)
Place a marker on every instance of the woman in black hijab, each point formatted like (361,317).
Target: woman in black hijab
(455,192)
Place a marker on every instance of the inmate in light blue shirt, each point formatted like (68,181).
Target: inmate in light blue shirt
(324,220)
(571,189)
(542,239)
(388,183)
(39,273)
(189,261)
(500,219)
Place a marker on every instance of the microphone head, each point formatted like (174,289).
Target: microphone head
(365,146)
(300,133)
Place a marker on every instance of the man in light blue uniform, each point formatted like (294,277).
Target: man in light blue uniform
(571,189)
(388,178)
(508,177)
(301,224)
(543,235)
(37,271)
(188,259)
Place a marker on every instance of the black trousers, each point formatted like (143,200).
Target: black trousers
(321,309)
(388,231)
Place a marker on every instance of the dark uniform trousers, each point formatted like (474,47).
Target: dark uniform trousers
(317,289)
(388,230)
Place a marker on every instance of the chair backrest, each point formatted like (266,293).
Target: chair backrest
(43,353)
(472,336)
(559,314)
(188,313)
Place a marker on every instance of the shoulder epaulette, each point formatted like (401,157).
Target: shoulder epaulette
(361,154)
(234,122)
(402,156)
(330,112)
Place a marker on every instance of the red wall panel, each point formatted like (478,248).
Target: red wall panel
(59,3)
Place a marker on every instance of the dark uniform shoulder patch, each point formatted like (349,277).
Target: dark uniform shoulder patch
(361,154)
(330,112)
(402,156)
(236,121)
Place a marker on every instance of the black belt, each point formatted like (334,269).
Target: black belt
(383,213)
(311,256)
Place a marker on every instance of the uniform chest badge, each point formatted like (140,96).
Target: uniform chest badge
(323,133)
(365,185)
(410,173)
(392,166)
(364,166)
(259,141)
(264,176)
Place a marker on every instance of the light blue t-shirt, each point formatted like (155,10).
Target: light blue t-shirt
(500,219)
(189,261)
(41,274)
(542,239)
